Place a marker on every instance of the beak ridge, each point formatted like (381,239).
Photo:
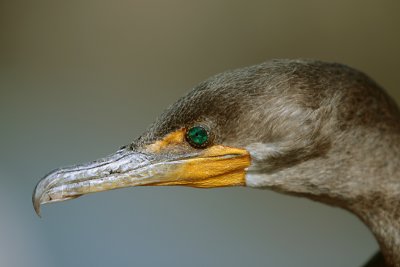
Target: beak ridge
(72,182)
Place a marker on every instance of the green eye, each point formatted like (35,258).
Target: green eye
(197,136)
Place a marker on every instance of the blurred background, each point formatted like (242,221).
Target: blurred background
(79,79)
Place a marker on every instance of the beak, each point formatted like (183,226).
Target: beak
(213,167)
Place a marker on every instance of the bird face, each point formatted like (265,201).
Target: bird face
(268,125)
(183,147)
(184,157)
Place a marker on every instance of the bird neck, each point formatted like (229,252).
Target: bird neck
(382,216)
(372,189)
(379,206)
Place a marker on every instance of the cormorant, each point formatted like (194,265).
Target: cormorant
(308,128)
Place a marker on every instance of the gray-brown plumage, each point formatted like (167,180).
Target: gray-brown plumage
(320,130)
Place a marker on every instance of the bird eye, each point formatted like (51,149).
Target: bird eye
(197,137)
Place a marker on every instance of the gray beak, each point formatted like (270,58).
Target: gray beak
(212,167)
(123,169)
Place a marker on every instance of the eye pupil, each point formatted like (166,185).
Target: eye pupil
(197,136)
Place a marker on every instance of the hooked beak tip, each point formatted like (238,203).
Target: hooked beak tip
(36,198)
(36,203)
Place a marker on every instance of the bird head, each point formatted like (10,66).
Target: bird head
(283,125)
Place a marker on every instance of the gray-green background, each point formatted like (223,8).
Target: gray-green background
(78,79)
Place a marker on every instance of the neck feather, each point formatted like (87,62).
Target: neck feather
(379,205)
(362,176)
(382,216)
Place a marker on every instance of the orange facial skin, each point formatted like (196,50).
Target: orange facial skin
(215,166)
